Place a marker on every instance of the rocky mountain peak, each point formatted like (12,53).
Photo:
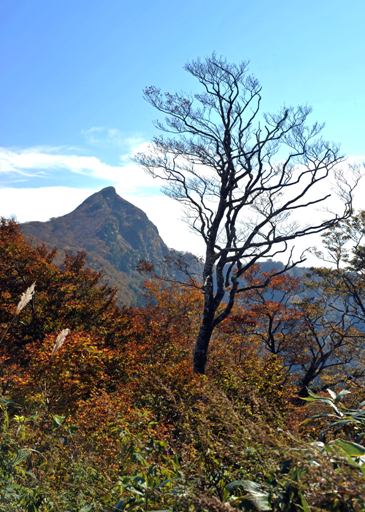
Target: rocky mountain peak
(116,236)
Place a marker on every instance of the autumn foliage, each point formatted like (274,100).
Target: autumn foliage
(108,415)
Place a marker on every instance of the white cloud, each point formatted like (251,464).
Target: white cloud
(36,162)
(104,136)
(131,182)
(27,204)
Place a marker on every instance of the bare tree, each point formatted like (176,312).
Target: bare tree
(318,339)
(240,174)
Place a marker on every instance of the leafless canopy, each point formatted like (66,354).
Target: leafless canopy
(239,173)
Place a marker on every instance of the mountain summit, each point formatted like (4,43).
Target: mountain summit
(115,235)
(119,226)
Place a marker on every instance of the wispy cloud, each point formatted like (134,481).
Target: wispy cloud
(24,201)
(102,136)
(35,159)
(29,192)
(44,162)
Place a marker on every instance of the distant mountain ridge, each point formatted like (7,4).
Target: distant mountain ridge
(115,235)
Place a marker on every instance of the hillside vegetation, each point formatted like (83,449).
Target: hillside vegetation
(100,409)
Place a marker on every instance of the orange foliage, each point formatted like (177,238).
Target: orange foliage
(69,296)
(75,372)
(126,368)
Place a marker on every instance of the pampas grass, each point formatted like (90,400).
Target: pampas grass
(60,340)
(25,298)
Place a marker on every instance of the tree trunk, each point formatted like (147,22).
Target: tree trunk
(207,321)
(307,379)
(206,327)
(202,345)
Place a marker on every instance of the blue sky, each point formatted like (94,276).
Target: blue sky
(73,73)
